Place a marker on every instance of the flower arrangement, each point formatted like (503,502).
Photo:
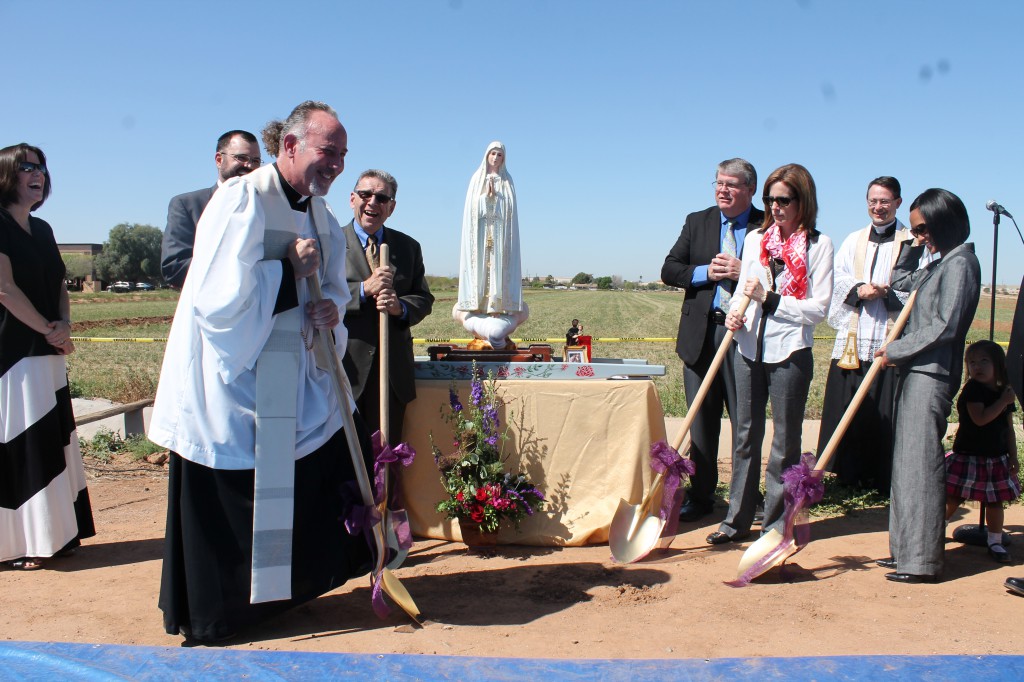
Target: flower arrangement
(479,490)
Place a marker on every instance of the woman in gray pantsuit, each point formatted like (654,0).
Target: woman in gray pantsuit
(787,273)
(929,356)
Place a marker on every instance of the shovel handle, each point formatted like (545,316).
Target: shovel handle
(877,366)
(382,358)
(709,377)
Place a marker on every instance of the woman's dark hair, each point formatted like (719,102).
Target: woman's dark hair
(10,157)
(994,352)
(945,217)
(800,182)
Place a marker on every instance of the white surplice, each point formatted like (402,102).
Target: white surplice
(205,403)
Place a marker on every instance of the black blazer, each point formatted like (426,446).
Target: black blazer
(180,236)
(362,319)
(699,242)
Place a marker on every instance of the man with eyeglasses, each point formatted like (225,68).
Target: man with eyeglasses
(397,287)
(238,153)
(862,312)
(705,261)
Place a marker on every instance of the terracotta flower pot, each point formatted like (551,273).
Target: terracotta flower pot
(473,537)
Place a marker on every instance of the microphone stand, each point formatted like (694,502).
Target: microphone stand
(970,534)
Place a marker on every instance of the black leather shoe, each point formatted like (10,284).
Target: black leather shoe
(1000,555)
(759,514)
(692,510)
(1015,585)
(910,578)
(720,538)
(888,562)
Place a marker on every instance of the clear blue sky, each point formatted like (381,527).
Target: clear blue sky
(614,114)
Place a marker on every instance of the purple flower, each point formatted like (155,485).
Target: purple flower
(476,393)
(453,400)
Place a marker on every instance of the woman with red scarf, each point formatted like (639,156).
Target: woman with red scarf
(787,273)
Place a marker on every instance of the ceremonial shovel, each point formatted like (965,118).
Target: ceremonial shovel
(387,527)
(773,548)
(387,580)
(634,530)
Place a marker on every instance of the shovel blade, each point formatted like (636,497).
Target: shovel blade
(633,534)
(770,550)
(396,590)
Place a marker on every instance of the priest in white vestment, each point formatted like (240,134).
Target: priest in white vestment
(490,304)
(260,476)
(862,312)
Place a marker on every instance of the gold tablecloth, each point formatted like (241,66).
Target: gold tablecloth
(584,444)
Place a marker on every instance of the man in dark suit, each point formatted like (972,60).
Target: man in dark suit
(398,287)
(238,152)
(705,261)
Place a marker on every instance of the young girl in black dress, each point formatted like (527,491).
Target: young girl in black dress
(983,464)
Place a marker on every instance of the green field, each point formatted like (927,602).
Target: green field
(124,371)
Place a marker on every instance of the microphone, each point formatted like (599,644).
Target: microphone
(997,209)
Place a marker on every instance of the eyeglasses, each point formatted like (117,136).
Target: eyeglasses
(781,201)
(245,159)
(884,203)
(731,186)
(29,167)
(382,198)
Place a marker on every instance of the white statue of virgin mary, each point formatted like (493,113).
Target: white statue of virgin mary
(490,304)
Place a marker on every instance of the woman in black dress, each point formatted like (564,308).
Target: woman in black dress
(44,503)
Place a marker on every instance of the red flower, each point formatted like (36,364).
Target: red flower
(585,371)
(503,372)
(477,514)
(459,496)
(481,494)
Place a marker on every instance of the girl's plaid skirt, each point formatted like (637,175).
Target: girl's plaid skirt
(985,479)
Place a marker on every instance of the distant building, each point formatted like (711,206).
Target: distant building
(89,282)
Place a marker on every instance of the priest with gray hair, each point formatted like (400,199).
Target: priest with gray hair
(260,479)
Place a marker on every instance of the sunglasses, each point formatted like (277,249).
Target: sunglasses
(381,197)
(29,167)
(919,231)
(781,201)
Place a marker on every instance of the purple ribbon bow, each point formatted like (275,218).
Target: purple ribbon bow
(666,460)
(802,487)
(383,455)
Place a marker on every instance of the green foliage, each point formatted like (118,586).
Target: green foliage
(582,278)
(78,265)
(132,253)
(604,282)
(437,284)
(106,443)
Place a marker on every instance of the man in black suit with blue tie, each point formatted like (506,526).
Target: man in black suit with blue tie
(397,287)
(705,261)
(238,152)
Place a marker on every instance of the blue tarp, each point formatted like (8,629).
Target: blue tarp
(52,660)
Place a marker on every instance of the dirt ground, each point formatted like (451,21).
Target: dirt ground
(550,602)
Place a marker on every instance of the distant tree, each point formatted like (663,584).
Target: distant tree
(654,286)
(132,253)
(438,283)
(582,278)
(629,286)
(79,266)
(616,281)
(604,282)
(550,279)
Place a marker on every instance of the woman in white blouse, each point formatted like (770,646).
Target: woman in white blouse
(787,273)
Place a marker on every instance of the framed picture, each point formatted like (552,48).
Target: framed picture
(577,354)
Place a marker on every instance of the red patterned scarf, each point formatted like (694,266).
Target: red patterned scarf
(792,252)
